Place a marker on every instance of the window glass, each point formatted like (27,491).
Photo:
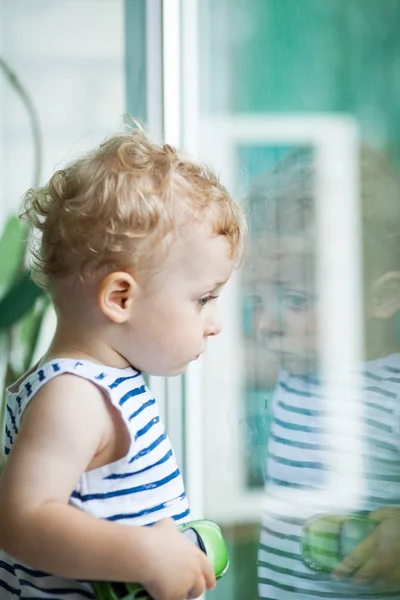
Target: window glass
(301,411)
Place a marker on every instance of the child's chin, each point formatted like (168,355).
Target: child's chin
(298,366)
(175,371)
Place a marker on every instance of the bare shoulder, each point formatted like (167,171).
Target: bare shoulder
(69,413)
(67,393)
(61,432)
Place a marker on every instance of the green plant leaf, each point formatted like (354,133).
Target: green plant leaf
(18,300)
(30,327)
(12,249)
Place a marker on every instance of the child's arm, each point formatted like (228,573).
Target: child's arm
(61,432)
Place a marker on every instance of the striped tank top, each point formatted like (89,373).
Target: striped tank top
(297,458)
(139,489)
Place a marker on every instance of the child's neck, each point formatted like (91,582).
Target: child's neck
(75,340)
(375,354)
(381,341)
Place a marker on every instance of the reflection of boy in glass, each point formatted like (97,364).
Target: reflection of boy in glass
(281,276)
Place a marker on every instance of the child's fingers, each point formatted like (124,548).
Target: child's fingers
(381,570)
(209,575)
(385,512)
(197,590)
(357,557)
(373,569)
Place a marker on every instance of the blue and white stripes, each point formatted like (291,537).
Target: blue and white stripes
(139,489)
(297,477)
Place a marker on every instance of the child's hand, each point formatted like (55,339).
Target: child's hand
(377,559)
(177,569)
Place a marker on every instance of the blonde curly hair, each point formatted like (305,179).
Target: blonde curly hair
(115,206)
(282,201)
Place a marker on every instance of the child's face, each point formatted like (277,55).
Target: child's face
(283,283)
(175,311)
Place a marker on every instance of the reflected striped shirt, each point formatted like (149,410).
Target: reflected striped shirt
(139,489)
(299,452)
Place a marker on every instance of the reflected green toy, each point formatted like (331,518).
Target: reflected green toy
(328,539)
(204,534)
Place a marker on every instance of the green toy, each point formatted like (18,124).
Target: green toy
(328,539)
(204,534)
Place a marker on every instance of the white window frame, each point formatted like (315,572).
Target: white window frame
(335,140)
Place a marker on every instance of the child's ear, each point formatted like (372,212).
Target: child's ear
(386,296)
(115,296)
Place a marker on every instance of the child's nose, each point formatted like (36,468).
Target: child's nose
(213,325)
(270,320)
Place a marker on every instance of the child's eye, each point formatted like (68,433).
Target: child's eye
(257,301)
(203,301)
(296,301)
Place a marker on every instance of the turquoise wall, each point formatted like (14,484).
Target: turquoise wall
(306,56)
